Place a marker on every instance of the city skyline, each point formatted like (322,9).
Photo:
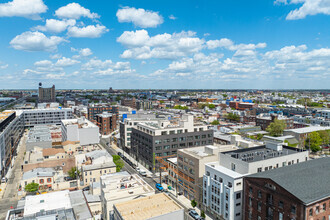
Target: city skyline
(278,44)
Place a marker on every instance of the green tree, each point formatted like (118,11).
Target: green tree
(211,106)
(118,161)
(259,136)
(313,141)
(232,117)
(325,136)
(31,187)
(193,203)
(203,214)
(118,98)
(73,172)
(215,122)
(276,128)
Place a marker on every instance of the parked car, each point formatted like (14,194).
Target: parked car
(180,193)
(143,173)
(68,178)
(137,169)
(194,214)
(159,187)
(85,188)
(119,154)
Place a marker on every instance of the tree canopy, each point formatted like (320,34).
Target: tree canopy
(276,128)
(73,172)
(31,187)
(232,116)
(215,122)
(118,161)
(313,141)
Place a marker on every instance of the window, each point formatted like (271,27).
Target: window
(259,206)
(317,210)
(259,193)
(238,195)
(324,206)
(227,196)
(41,181)
(250,190)
(49,180)
(250,201)
(259,169)
(238,204)
(293,209)
(238,214)
(174,139)
(159,148)
(233,166)
(311,212)
(280,204)
(280,216)
(230,184)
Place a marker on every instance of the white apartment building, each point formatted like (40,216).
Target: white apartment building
(121,187)
(45,116)
(325,114)
(223,180)
(80,130)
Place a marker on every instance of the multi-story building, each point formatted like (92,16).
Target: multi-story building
(47,94)
(264,120)
(129,102)
(80,130)
(242,105)
(43,176)
(39,136)
(150,140)
(11,130)
(121,187)
(223,180)
(107,122)
(325,114)
(155,207)
(95,164)
(172,172)
(300,191)
(96,109)
(301,133)
(191,168)
(45,116)
(125,128)
(144,105)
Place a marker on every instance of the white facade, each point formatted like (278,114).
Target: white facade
(46,116)
(80,130)
(223,180)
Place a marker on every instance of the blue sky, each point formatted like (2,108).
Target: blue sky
(238,44)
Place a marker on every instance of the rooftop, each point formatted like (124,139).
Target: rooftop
(308,129)
(259,153)
(4,115)
(300,179)
(38,172)
(80,122)
(52,151)
(147,207)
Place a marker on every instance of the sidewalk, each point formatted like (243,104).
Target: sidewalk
(117,149)
(183,200)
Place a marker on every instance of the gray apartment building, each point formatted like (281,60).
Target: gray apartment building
(163,138)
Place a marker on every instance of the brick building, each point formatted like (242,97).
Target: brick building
(242,105)
(94,110)
(264,120)
(129,102)
(107,122)
(300,191)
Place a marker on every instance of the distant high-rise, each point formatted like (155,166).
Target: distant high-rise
(47,94)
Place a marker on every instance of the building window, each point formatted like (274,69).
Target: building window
(250,201)
(49,180)
(280,204)
(311,212)
(293,209)
(250,190)
(233,166)
(324,206)
(259,194)
(259,206)
(41,181)
(238,195)
(317,210)
(259,169)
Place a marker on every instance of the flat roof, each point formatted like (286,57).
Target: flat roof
(147,207)
(308,129)
(259,153)
(5,114)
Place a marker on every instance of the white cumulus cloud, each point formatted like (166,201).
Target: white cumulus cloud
(90,31)
(56,26)
(65,62)
(75,11)
(308,7)
(36,41)
(23,8)
(139,17)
